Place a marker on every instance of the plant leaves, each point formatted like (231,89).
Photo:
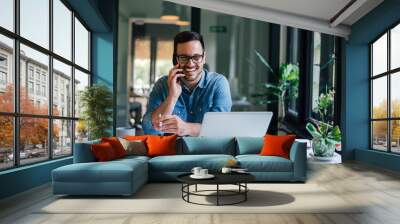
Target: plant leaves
(262,59)
(313,130)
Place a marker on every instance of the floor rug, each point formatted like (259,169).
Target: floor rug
(167,198)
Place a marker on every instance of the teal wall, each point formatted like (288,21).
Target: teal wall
(24,178)
(356,86)
(100,16)
(102,64)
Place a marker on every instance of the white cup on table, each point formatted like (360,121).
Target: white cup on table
(196,171)
(203,172)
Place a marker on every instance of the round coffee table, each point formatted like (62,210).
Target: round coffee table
(238,179)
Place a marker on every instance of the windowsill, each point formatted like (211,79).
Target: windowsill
(380,152)
(17,169)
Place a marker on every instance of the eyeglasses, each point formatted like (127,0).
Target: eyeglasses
(184,59)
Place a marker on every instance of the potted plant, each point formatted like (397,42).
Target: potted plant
(96,103)
(325,135)
(284,88)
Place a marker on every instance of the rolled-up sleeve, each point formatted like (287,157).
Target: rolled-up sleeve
(155,100)
(222,101)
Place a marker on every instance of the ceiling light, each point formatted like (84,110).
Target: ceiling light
(169,11)
(182,23)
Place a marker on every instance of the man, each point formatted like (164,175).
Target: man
(178,102)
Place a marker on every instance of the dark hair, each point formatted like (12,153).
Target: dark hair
(184,37)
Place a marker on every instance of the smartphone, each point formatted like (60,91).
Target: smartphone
(175,62)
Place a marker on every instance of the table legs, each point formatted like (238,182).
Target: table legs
(242,191)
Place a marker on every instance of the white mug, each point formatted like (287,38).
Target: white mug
(196,171)
(203,172)
(226,170)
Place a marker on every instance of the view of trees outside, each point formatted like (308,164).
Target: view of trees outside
(379,128)
(6,141)
(33,131)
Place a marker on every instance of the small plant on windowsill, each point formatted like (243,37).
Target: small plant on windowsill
(325,135)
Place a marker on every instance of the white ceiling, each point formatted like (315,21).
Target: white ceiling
(315,15)
(321,9)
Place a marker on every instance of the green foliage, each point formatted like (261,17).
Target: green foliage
(286,85)
(96,102)
(323,130)
(324,102)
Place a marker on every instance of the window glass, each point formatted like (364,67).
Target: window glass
(379,98)
(62,89)
(379,133)
(81,81)
(395,95)
(231,44)
(62,138)
(6,142)
(6,74)
(31,58)
(379,56)
(62,29)
(395,47)
(7,14)
(395,136)
(165,49)
(141,64)
(324,74)
(81,45)
(294,49)
(34,144)
(81,131)
(316,68)
(34,21)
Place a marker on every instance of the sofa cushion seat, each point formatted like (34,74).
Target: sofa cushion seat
(112,171)
(257,163)
(184,163)
(118,177)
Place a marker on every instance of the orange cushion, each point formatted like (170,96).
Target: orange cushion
(277,145)
(161,145)
(136,137)
(103,152)
(142,138)
(116,145)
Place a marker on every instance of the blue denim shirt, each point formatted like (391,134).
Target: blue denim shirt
(212,93)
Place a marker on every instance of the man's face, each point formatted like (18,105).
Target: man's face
(193,67)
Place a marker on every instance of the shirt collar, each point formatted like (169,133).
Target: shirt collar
(202,82)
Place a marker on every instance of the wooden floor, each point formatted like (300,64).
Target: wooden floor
(377,188)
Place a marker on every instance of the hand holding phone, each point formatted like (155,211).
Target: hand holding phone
(174,83)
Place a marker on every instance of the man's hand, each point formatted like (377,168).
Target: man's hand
(175,125)
(174,87)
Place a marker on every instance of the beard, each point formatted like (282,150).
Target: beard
(192,73)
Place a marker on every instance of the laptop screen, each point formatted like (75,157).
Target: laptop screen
(236,124)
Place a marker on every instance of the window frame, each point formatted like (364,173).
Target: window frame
(16,114)
(388,74)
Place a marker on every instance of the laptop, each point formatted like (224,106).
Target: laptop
(236,124)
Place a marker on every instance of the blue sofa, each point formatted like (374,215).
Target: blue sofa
(125,176)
